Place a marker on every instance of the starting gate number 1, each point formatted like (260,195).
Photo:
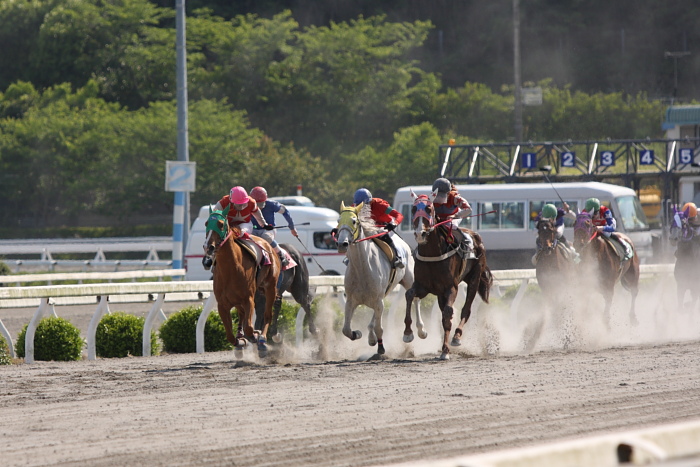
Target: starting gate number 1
(528,160)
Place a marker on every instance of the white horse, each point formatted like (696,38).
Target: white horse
(368,278)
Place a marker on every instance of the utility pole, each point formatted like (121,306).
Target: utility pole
(181,210)
(516,72)
(675,56)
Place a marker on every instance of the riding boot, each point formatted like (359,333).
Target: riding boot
(397,263)
(283,258)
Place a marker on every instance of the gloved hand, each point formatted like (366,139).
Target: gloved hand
(334,232)
(269,227)
(390,226)
(608,228)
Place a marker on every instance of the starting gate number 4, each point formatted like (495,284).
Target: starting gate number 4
(646,157)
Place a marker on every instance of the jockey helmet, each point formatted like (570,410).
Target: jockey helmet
(362,196)
(259,194)
(442,185)
(692,209)
(238,195)
(549,211)
(592,203)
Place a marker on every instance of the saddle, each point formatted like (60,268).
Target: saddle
(389,252)
(460,239)
(621,248)
(259,254)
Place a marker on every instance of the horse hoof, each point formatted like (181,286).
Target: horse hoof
(444,356)
(238,353)
(277,338)
(456,342)
(380,350)
(407,338)
(356,335)
(422,334)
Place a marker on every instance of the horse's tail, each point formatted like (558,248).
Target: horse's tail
(300,284)
(485,283)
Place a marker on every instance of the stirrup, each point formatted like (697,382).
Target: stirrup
(397,263)
(283,260)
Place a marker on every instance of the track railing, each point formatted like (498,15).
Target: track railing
(155,294)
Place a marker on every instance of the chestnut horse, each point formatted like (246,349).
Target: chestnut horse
(440,268)
(237,276)
(597,252)
(687,266)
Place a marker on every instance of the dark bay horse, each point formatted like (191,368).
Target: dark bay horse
(440,268)
(237,276)
(294,280)
(598,254)
(553,269)
(687,268)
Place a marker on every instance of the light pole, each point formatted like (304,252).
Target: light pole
(516,72)
(675,56)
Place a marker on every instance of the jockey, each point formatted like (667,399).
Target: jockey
(383,215)
(551,212)
(242,209)
(449,204)
(268,208)
(693,220)
(604,221)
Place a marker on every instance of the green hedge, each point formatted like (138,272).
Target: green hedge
(55,339)
(5,357)
(120,335)
(178,333)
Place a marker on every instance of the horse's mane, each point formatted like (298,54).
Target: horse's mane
(366,221)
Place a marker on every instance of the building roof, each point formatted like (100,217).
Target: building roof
(681,115)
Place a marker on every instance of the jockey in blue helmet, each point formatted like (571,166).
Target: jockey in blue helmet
(383,215)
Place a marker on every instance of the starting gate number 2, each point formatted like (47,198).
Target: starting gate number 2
(568,159)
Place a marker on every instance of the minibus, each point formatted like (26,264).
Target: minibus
(504,215)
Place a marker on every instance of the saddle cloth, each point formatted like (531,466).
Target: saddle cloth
(460,238)
(622,249)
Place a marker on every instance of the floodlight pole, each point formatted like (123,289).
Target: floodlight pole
(516,71)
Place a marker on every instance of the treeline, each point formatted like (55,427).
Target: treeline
(88,111)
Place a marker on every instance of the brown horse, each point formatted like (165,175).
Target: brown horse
(237,276)
(597,253)
(441,266)
(553,269)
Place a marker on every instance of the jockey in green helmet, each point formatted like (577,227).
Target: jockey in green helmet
(557,215)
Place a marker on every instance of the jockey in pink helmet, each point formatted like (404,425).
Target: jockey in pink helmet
(243,207)
(268,208)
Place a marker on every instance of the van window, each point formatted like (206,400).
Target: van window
(632,213)
(536,208)
(406,222)
(507,215)
(324,241)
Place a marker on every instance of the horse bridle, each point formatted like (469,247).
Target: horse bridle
(589,228)
(420,205)
(212,225)
(549,249)
(353,232)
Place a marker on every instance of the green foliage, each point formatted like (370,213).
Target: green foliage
(4,269)
(121,335)
(5,356)
(178,333)
(55,339)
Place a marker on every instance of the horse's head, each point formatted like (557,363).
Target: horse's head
(348,225)
(584,229)
(422,215)
(680,227)
(547,234)
(216,231)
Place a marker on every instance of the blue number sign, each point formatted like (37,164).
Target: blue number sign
(646,157)
(607,158)
(180,176)
(568,159)
(528,160)
(685,155)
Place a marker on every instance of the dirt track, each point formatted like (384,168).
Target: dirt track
(351,409)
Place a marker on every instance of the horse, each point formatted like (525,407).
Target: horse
(294,280)
(237,276)
(441,266)
(687,267)
(553,267)
(598,253)
(369,276)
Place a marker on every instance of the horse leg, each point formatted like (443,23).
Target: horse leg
(350,306)
(376,332)
(276,337)
(225,315)
(270,302)
(416,292)
(630,281)
(445,302)
(472,282)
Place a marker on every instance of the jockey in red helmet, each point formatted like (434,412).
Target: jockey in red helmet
(383,215)
(449,204)
(268,208)
(243,207)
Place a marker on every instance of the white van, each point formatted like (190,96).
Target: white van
(509,233)
(313,238)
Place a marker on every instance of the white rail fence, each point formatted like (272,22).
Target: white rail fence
(46,297)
